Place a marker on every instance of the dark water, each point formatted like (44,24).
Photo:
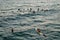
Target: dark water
(47,21)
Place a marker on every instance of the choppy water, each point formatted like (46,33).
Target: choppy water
(47,21)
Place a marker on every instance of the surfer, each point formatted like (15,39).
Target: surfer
(19,10)
(40,33)
(30,9)
(33,11)
(38,9)
(12,30)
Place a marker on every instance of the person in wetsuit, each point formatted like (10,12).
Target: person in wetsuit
(20,10)
(12,30)
(38,9)
(39,31)
(30,9)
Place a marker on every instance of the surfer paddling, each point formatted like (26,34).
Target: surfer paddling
(40,33)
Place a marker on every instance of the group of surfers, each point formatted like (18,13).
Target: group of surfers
(29,10)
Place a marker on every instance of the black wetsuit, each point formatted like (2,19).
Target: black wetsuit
(12,30)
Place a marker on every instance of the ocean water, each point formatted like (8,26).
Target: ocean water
(24,25)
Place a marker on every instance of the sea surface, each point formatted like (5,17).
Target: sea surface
(24,25)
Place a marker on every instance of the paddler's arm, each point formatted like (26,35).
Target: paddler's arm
(44,35)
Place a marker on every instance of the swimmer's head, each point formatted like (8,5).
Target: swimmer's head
(38,30)
(18,9)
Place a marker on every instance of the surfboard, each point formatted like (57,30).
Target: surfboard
(40,33)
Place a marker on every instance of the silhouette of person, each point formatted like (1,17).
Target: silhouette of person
(12,30)
(38,9)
